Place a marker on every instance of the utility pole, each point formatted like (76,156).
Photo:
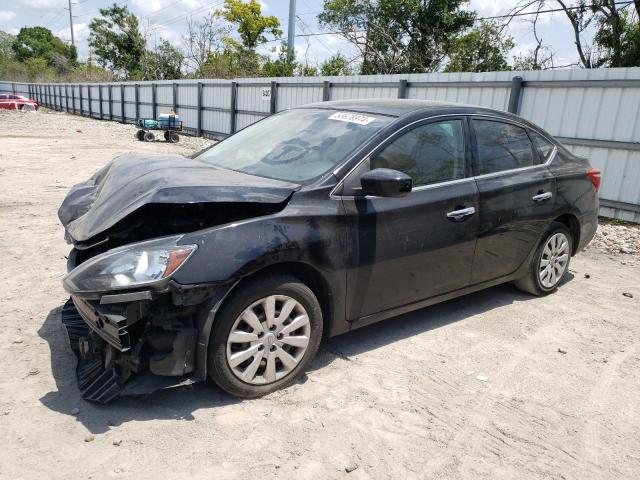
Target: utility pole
(292,30)
(73,42)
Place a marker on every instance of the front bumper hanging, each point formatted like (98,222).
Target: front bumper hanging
(99,378)
(96,383)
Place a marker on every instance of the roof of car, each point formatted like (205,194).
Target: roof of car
(384,106)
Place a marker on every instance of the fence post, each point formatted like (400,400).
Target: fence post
(199,130)
(66,98)
(100,99)
(274,98)
(123,118)
(137,98)
(514,96)
(175,98)
(110,100)
(234,101)
(90,101)
(326,91)
(402,88)
(154,106)
(73,98)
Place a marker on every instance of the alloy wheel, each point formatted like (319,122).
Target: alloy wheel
(554,260)
(268,340)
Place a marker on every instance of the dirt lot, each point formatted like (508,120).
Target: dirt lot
(494,385)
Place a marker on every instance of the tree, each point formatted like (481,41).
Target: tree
(283,66)
(252,26)
(482,49)
(398,37)
(616,42)
(116,41)
(163,63)
(203,38)
(618,36)
(336,65)
(6,45)
(39,42)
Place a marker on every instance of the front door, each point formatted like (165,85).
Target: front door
(412,248)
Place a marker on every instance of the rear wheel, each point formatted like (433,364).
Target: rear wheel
(265,336)
(174,137)
(140,135)
(549,263)
(149,137)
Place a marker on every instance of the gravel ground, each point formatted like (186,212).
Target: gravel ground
(496,385)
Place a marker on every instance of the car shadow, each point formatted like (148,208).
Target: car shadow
(171,404)
(439,315)
(180,403)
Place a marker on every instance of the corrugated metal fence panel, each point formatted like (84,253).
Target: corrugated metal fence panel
(116,105)
(164,95)
(589,115)
(594,112)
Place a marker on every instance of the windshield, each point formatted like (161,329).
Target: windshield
(297,145)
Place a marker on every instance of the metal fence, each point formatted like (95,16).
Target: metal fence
(596,113)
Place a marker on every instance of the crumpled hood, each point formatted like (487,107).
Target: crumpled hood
(132,180)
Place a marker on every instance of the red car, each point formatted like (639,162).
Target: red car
(12,101)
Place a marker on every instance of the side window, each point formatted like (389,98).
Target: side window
(428,154)
(543,146)
(502,146)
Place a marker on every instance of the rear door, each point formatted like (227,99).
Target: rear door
(516,196)
(412,248)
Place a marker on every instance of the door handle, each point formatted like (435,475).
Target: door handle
(458,215)
(541,197)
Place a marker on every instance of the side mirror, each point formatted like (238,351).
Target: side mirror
(384,182)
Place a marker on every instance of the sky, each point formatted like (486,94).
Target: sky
(167,19)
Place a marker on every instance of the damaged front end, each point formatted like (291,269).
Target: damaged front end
(133,328)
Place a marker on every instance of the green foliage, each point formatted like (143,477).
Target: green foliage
(336,65)
(398,37)
(164,63)
(619,38)
(231,62)
(6,45)
(117,42)
(251,24)
(283,66)
(482,49)
(39,42)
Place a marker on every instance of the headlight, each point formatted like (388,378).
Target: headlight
(130,266)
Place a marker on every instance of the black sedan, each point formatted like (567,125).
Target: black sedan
(318,220)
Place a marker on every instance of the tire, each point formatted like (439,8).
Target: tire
(140,135)
(536,281)
(266,350)
(149,137)
(174,137)
(166,136)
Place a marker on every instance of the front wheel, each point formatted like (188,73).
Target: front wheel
(265,336)
(549,263)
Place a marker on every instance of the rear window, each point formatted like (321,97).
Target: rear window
(502,146)
(543,146)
